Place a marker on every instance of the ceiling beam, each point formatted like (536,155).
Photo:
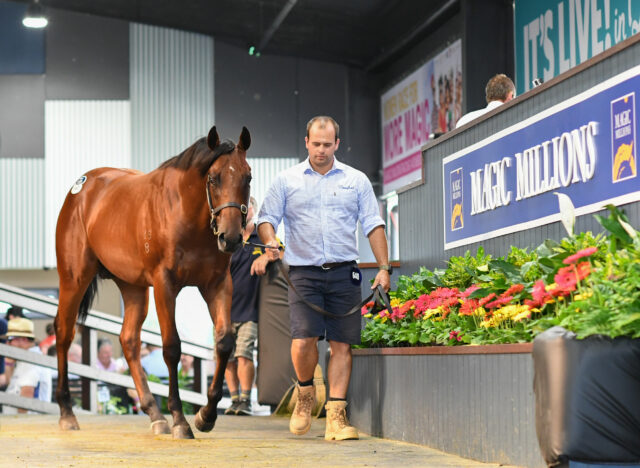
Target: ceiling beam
(415,33)
(276,24)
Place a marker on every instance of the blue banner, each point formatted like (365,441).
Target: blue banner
(552,36)
(584,147)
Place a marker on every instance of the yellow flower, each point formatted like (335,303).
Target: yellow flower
(395,302)
(367,315)
(431,312)
(550,287)
(383,319)
(580,297)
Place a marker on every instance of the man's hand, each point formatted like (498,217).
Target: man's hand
(272,254)
(259,265)
(383,279)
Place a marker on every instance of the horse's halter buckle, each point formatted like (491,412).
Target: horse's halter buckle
(214,211)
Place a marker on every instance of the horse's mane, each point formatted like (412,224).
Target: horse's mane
(199,155)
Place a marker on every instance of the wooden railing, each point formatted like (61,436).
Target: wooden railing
(96,321)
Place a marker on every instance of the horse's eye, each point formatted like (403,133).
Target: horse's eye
(249,178)
(215,180)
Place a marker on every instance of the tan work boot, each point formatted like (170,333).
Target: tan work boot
(300,422)
(338,427)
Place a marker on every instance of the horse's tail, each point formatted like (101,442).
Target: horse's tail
(87,299)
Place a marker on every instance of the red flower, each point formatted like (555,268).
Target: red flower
(455,335)
(422,304)
(468,307)
(469,290)
(514,289)
(367,307)
(583,270)
(539,294)
(484,300)
(566,278)
(580,254)
(499,302)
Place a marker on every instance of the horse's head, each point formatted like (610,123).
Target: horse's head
(228,181)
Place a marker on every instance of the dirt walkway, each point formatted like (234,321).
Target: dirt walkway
(33,441)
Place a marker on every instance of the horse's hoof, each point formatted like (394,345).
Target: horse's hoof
(160,427)
(69,423)
(182,432)
(202,425)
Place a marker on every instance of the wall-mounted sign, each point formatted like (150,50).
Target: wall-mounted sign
(585,147)
(428,101)
(552,36)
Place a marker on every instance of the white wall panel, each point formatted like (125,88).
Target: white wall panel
(80,136)
(172,103)
(22,188)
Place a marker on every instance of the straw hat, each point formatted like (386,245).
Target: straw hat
(20,327)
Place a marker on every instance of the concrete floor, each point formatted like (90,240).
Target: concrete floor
(35,440)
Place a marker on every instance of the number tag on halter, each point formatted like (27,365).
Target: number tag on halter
(356,276)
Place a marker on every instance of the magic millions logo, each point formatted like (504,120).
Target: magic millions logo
(623,138)
(455,187)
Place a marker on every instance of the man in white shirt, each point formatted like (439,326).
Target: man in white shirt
(27,380)
(320,201)
(500,89)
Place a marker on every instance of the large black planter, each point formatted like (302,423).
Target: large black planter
(472,401)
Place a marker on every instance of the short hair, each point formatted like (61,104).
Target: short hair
(499,87)
(322,123)
(14,311)
(104,342)
(50,329)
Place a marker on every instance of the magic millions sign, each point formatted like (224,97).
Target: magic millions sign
(584,147)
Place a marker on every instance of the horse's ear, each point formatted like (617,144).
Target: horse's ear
(245,139)
(213,140)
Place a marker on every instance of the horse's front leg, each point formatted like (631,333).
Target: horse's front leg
(218,299)
(165,298)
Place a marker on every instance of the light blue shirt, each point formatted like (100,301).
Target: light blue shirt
(321,212)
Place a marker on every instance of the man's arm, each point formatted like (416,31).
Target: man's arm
(28,392)
(378,241)
(268,237)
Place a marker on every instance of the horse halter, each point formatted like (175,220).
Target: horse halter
(214,211)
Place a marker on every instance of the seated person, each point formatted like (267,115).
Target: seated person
(26,379)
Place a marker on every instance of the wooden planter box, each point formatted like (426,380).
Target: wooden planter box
(472,401)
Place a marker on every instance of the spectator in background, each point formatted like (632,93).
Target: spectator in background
(105,356)
(50,340)
(185,369)
(246,264)
(25,379)
(14,312)
(153,363)
(500,89)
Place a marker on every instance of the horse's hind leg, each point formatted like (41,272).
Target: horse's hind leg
(136,302)
(74,283)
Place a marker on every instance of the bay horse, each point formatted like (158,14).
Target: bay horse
(155,230)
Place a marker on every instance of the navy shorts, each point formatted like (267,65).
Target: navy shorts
(332,290)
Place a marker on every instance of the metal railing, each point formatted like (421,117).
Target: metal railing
(90,375)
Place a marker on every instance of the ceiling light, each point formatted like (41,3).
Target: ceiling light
(34,18)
